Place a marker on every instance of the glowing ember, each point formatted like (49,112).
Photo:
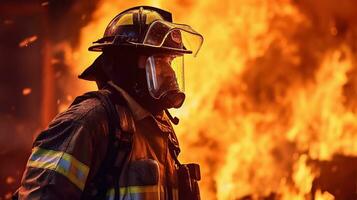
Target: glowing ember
(45,3)
(8,22)
(8,195)
(26,91)
(69,98)
(54,61)
(27,41)
(9,180)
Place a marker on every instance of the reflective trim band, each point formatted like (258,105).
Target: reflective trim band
(126,19)
(60,162)
(151,192)
(152,16)
(175,194)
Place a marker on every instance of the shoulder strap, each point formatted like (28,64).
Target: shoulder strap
(119,138)
(127,126)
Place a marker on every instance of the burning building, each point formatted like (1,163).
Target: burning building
(271,99)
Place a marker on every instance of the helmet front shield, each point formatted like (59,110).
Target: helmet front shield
(163,34)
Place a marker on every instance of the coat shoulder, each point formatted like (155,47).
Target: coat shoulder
(85,110)
(83,120)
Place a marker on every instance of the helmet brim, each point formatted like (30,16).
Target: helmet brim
(90,73)
(140,48)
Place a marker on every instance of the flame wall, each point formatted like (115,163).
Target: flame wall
(273,86)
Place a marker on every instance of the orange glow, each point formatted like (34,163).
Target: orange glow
(252,118)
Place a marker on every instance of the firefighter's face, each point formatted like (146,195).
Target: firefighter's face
(161,76)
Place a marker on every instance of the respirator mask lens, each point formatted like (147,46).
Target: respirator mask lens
(165,78)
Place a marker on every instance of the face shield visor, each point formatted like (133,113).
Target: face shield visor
(165,71)
(170,36)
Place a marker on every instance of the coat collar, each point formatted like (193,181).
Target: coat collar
(138,111)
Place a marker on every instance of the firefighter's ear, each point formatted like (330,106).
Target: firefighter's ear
(108,62)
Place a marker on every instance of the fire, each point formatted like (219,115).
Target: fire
(324,196)
(264,95)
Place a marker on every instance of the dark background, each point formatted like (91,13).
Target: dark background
(35,67)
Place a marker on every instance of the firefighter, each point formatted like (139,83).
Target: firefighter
(118,142)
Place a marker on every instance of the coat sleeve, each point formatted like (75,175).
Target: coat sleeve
(66,155)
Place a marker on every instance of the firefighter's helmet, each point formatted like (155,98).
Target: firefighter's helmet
(149,29)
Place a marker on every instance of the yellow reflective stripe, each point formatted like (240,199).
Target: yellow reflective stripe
(78,165)
(124,191)
(49,163)
(127,19)
(41,158)
(140,189)
(60,162)
(110,194)
(175,194)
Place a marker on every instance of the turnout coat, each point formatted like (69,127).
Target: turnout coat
(87,152)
